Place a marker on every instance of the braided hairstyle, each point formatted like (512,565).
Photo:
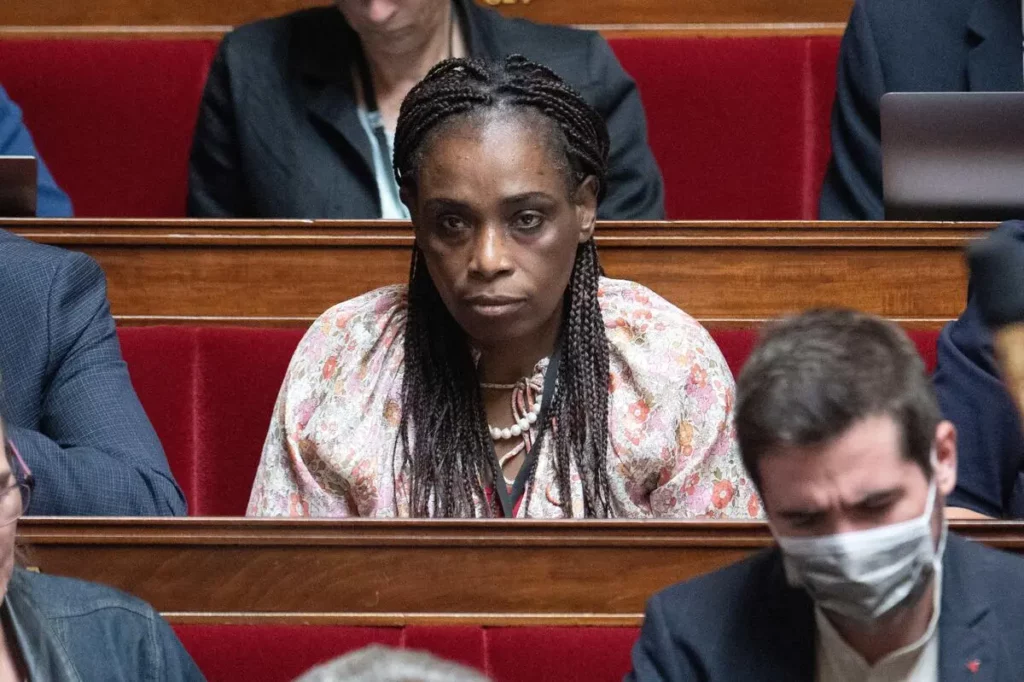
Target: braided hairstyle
(444,438)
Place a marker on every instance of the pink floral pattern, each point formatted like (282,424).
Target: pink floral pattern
(330,450)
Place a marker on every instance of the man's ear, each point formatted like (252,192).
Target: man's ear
(945,456)
(586,207)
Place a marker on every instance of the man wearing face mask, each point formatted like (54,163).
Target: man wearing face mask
(841,432)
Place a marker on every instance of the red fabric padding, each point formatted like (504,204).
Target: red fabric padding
(273,653)
(279,653)
(564,654)
(210,392)
(112,118)
(162,362)
(824,57)
(240,374)
(736,345)
(736,124)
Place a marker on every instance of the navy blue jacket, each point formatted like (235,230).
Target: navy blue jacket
(909,46)
(65,393)
(972,395)
(745,623)
(74,631)
(15,140)
(278,135)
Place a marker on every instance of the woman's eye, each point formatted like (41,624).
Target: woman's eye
(526,222)
(452,224)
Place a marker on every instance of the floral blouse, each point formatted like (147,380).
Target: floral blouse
(331,449)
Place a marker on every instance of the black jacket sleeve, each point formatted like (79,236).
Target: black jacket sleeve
(634,186)
(216,188)
(853,182)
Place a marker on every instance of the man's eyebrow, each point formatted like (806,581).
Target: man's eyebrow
(879,495)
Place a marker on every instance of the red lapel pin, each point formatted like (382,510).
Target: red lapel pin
(973,665)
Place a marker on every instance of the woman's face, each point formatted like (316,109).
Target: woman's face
(393,26)
(497,226)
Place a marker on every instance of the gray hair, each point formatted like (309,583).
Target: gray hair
(377,663)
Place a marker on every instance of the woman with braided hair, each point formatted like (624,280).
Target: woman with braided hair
(509,378)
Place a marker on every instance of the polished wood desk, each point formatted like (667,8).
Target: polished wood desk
(286,273)
(631,14)
(366,572)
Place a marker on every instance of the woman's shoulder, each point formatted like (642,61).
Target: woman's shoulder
(647,329)
(368,314)
(353,333)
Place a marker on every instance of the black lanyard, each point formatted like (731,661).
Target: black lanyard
(510,497)
(373,113)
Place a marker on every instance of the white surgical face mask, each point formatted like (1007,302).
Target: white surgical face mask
(865,574)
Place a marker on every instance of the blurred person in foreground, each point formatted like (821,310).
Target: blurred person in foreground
(56,629)
(841,432)
(383,664)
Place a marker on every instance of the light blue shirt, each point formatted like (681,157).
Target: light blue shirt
(391,206)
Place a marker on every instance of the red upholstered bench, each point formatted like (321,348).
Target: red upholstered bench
(278,653)
(738,125)
(210,390)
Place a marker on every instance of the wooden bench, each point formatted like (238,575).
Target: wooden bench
(631,14)
(731,273)
(408,572)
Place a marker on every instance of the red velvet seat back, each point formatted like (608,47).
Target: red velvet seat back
(112,118)
(279,653)
(739,126)
(209,392)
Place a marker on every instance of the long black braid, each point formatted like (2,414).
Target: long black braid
(446,445)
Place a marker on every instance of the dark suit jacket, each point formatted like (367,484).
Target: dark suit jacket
(278,135)
(909,46)
(990,440)
(65,394)
(15,140)
(745,623)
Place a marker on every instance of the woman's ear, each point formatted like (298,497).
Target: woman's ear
(409,199)
(586,207)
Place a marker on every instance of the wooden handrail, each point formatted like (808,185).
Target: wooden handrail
(288,272)
(387,572)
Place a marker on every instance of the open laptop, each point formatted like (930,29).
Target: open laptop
(18,186)
(953,155)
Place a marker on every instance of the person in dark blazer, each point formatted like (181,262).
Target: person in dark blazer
(909,46)
(841,432)
(15,140)
(973,396)
(65,391)
(298,113)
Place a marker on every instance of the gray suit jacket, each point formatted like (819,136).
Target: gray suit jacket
(65,393)
(278,134)
(909,46)
(745,623)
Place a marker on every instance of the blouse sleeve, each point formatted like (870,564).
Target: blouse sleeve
(706,477)
(284,484)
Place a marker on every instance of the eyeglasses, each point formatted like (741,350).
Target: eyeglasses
(11,507)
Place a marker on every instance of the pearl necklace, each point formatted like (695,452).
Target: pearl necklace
(522,425)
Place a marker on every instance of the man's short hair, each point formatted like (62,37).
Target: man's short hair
(377,663)
(815,375)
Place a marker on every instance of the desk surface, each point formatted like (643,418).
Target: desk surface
(286,273)
(367,572)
